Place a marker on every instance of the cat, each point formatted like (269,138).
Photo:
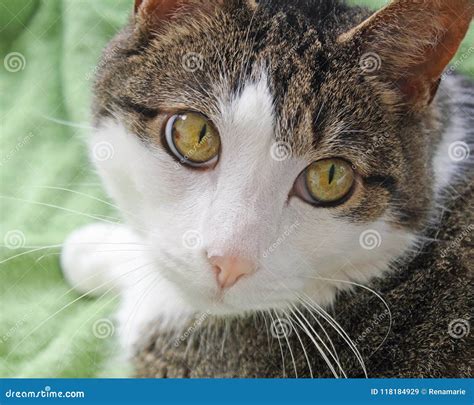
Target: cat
(276,164)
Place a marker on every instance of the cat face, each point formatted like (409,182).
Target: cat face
(258,155)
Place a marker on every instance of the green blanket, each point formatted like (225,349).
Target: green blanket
(48,53)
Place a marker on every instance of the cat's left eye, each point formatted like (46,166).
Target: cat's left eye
(327,182)
(193,139)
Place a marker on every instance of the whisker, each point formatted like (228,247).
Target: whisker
(29,252)
(110,220)
(320,350)
(373,292)
(58,246)
(340,330)
(91,197)
(281,347)
(68,123)
(301,343)
(318,347)
(266,328)
(334,351)
(289,347)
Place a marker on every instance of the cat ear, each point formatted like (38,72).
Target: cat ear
(410,43)
(154,11)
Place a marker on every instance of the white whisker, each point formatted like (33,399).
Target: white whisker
(339,329)
(320,350)
(68,123)
(377,295)
(289,347)
(110,220)
(281,347)
(301,343)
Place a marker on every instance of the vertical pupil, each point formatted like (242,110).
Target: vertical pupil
(203,132)
(332,173)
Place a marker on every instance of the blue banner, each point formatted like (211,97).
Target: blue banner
(128,391)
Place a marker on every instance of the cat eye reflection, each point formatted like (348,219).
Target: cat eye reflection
(327,182)
(193,139)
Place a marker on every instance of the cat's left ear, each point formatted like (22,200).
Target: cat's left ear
(409,43)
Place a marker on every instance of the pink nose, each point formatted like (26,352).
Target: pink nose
(230,269)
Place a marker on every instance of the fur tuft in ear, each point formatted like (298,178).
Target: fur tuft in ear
(411,42)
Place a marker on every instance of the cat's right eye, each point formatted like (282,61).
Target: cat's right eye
(193,139)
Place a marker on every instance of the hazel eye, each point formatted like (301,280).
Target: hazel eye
(327,182)
(193,139)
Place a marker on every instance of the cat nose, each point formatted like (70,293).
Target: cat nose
(229,269)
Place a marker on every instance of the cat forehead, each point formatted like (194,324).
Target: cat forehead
(266,88)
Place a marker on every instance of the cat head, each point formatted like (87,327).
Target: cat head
(264,149)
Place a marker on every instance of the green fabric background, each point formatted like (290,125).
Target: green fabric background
(45,329)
